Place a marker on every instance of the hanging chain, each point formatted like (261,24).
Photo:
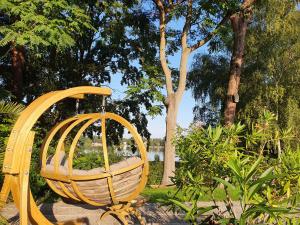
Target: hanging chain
(103,105)
(77,106)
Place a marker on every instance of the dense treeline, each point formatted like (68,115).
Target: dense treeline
(271,73)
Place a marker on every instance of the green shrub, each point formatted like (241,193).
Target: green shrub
(156,158)
(156,169)
(255,193)
(9,112)
(203,153)
(93,159)
(266,188)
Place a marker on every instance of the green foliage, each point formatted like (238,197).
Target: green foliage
(156,158)
(156,169)
(208,83)
(163,194)
(94,159)
(271,74)
(10,108)
(42,23)
(240,160)
(266,137)
(193,212)
(270,77)
(151,88)
(116,44)
(290,167)
(252,186)
(203,152)
(9,112)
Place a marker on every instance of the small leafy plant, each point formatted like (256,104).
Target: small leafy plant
(188,203)
(252,186)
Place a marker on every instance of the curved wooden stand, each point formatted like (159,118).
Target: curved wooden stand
(123,212)
(18,156)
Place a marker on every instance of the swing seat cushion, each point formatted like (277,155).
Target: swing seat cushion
(97,190)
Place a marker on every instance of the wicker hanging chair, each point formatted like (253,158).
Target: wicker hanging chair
(113,186)
(108,185)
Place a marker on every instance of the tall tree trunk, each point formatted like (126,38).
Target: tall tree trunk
(239,25)
(18,62)
(174,97)
(169,152)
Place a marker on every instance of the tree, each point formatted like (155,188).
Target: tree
(202,21)
(31,25)
(208,82)
(239,22)
(271,69)
(118,36)
(272,65)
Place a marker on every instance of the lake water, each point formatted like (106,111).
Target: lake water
(151,155)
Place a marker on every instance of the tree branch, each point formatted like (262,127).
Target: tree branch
(246,4)
(187,25)
(162,47)
(185,52)
(173,5)
(210,35)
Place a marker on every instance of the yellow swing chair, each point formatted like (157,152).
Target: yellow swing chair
(114,186)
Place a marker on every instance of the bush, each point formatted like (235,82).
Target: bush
(94,159)
(256,162)
(256,193)
(156,169)
(203,153)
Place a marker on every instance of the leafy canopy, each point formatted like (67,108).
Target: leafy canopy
(42,23)
(270,77)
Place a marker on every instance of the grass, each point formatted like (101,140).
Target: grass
(154,194)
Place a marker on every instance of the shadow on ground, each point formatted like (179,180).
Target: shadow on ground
(90,215)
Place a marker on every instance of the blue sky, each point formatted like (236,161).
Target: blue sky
(156,125)
(185,116)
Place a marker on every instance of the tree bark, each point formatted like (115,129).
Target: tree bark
(169,153)
(18,62)
(239,25)
(172,105)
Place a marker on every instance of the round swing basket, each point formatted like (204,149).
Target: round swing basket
(113,185)
(108,185)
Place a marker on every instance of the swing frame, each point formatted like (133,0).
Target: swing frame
(16,166)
